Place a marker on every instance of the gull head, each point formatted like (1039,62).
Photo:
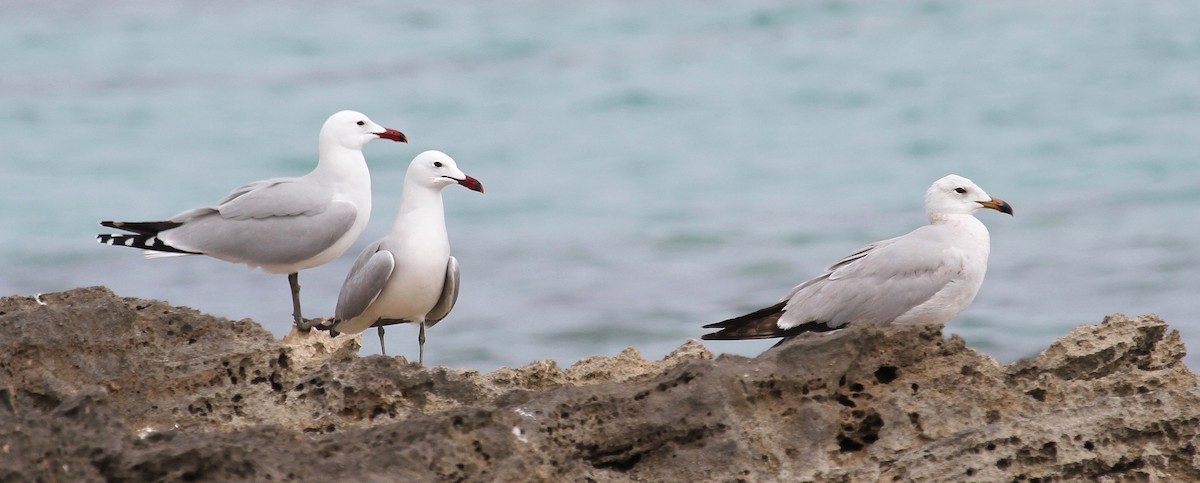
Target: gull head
(436,170)
(956,195)
(353,130)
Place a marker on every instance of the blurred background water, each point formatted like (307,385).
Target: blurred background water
(650,166)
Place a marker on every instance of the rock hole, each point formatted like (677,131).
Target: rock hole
(1089,446)
(622,465)
(856,387)
(915,419)
(992,416)
(1037,393)
(845,401)
(1050,451)
(847,445)
(886,374)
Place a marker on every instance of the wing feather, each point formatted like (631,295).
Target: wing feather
(275,197)
(275,240)
(449,295)
(875,284)
(364,282)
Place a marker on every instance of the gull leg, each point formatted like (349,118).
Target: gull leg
(381,348)
(421,344)
(294,281)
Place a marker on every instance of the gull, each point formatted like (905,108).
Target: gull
(409,275)
(927,276)
(281,225)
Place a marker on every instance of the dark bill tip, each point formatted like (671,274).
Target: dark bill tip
(998,205)
(393,134)
(471,184)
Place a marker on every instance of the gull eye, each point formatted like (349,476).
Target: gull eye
(960,190)
(361,123)
(437,164)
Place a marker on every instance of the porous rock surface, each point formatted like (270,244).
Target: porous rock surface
(97,387)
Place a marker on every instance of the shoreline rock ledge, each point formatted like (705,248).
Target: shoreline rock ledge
(97,387)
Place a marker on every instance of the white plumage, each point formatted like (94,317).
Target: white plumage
(282,225)
(927,276)
(409,275)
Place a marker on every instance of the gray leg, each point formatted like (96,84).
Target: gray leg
(381,348)
(294,281)
(421,343)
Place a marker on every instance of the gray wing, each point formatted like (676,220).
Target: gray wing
(449,296)
(275,197)
(877,283)
(269,240)
(365,281)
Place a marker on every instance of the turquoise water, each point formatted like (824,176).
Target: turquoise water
(650,166)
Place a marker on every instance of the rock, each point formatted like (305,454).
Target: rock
(97,387)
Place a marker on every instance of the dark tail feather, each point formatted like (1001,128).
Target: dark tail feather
(141,227)
(142,241)
(760,324)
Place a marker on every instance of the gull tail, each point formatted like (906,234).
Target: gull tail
(760,324)
(143,235)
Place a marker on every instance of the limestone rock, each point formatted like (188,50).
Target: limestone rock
(97,387)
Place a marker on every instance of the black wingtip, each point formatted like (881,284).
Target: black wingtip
(140,241)
(761,324)
(141,227)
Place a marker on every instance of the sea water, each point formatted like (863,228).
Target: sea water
(650,166)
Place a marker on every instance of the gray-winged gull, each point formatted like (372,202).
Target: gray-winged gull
(409,275)
(282,225)
(927,276)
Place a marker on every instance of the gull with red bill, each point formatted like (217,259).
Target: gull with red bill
(927,276)
(409,275)
(282,225)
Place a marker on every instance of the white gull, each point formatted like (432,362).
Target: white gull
(409,275)
(927,276)
(282,225)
